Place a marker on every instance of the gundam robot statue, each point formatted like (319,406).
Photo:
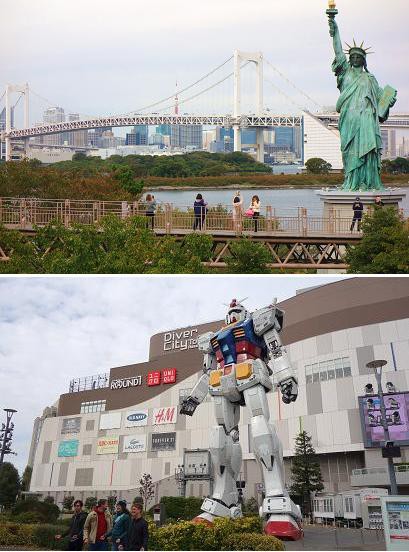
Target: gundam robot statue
(241,363)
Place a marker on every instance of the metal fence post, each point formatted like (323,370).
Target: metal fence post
(67,212)
(269,218)
(304,219)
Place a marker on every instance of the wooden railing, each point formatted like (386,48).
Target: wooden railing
(28,213)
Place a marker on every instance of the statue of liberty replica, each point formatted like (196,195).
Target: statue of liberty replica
(362,106)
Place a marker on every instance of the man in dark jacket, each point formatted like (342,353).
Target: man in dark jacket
(138,530)
(75,532)
(358,208)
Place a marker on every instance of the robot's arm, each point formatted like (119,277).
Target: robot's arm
(267,323)
(199,391)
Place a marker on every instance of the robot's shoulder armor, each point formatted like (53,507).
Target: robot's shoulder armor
(267,318)
(203,342)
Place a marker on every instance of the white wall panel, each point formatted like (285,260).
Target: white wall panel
(329,396)
(340,427)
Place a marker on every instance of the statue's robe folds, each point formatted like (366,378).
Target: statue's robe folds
(361,142)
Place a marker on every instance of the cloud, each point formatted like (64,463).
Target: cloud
(55,329)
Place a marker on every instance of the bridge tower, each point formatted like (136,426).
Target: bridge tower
(20,89)
(257,58)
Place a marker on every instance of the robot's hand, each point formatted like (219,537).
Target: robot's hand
(188,406)
(289,390)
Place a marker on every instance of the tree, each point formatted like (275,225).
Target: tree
(111,503)
(90,503)
(49,500)
(146,489)
(67,502)
(79,156)
(26,478)
(305,471)
(316,165)
(384,245)
(9,485)
(248,257)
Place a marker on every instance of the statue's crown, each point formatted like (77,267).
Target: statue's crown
(355,49)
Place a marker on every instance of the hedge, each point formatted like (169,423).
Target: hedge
(226,534)
(39,535)
(179,507)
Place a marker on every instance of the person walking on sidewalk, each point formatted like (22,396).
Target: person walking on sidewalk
(97,525)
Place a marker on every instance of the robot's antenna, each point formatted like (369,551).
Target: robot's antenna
(242,300)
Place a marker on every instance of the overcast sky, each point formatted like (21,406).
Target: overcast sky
(100,57)
(55,329)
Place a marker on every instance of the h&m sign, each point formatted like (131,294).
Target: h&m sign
(165,415)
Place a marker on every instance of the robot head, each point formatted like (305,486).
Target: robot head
(236,312)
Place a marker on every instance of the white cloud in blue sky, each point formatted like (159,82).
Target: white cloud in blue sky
(99,57)
(55,329)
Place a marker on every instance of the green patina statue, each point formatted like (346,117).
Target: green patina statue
(362,105)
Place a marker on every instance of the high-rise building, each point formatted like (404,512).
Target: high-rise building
(53,115)
(77,138)
(138,137)
(284,136)
(187,136)
(164,130)
(388,143)
(95,138)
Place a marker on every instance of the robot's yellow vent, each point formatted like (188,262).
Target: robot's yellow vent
(215,377)
(243,370)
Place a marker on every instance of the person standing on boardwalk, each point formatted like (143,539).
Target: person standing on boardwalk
(237,211)
(358,209)
(255,207)
(199,208)
(150,203)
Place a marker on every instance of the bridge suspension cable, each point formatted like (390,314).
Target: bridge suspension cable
(183,89)
(292,84)
(190,98)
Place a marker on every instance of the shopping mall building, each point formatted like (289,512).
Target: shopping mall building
(107,430)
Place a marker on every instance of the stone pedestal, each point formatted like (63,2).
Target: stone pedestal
(338,202)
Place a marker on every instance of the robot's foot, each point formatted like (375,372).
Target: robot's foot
(283,527)
(205,518)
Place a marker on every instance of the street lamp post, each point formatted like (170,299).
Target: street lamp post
(376,366)
(6,435)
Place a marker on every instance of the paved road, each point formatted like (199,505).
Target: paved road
(328,538)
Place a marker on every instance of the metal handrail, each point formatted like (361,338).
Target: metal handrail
(26,213)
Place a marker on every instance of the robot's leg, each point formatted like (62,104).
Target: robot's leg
(282,516)
(225,452)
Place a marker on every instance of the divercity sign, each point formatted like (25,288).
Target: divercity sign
(182,340)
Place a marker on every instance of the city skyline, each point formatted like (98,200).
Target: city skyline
(193,42)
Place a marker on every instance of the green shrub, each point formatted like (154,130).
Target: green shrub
(28,517)
(251,541)
(179,507)
(44,537)
(41,536)
(47,513)
(226,534)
